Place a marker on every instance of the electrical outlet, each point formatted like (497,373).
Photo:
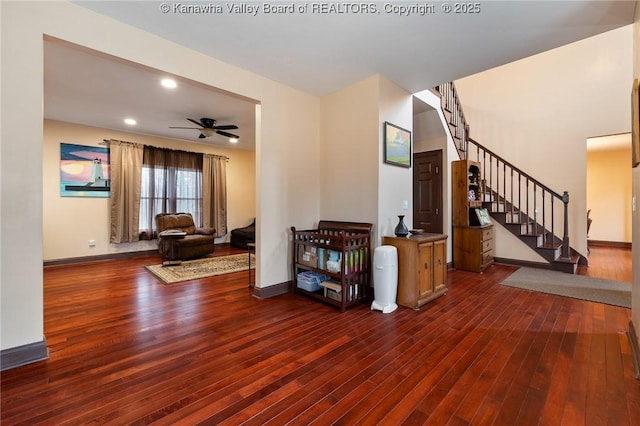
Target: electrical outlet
(92,243)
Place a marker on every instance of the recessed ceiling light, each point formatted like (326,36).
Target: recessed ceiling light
(169,83)
(130,121)
(233,140)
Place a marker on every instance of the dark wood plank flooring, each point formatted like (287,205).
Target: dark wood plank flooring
(126,349)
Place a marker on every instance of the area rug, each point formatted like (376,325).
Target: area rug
(202,268)
(576,286)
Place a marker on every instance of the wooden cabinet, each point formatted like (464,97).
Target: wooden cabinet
(473,241)
(473,248)
(422,268)
(340,253)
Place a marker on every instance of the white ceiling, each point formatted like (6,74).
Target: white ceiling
(315,52)
(86,87)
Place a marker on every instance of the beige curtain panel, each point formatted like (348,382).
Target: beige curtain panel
(126,180)
(214,193)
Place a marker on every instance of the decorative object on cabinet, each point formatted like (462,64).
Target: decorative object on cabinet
(473,242)
(422,268)
(338,256)
(401,229)
(480,217)
(397,145)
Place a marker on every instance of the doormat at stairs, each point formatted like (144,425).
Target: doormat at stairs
(576,286)
(202,268)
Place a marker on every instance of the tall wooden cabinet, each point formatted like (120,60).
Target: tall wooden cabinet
(473,242)
(422,268)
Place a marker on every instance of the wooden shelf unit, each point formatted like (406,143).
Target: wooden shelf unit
(352,242)
(422,268)
(473,246)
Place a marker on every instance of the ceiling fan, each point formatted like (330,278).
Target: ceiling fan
(207,128)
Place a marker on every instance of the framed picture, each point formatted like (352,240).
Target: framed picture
(635,123)
(483,217)
(84,171)
(397,145)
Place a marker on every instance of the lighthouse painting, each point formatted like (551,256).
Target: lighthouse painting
(84,171)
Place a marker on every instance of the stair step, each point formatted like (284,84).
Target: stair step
(550,246)
(532,234)
(570,259)
(568,265)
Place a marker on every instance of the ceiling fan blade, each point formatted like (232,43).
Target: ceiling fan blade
(229,135)
(202,136)
(194,128)
(197,123)
(226,127)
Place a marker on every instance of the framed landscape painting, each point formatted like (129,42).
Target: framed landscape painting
(84,171)
(397,145)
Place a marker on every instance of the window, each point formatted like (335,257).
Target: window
(171,183)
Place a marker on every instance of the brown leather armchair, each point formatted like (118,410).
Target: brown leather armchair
(197,242)
(241,236)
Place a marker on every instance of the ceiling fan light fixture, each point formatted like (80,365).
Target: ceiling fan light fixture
(207,128)
(169,83)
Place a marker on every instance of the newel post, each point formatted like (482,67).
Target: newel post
(565,239)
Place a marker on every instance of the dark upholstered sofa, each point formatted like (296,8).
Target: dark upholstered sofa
(241,236)
(198,242)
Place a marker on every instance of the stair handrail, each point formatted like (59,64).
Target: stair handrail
(520,171)
(564,198)
(450,102)
(449,97)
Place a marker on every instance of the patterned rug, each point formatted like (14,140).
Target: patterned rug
(201,268)
(577,286)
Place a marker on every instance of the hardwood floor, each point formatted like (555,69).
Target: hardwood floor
(126,349)
(613,263)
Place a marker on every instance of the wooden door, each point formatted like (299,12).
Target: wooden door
(427,191)
(425,271)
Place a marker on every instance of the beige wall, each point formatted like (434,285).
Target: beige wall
(287,151)
(635,290)
(539,111)
(349,165)
(395,184)
(356,184)
(609,195)
(70,222)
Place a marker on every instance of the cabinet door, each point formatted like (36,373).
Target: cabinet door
(439,265)
(425,270)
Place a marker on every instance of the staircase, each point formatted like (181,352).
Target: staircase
(530,210)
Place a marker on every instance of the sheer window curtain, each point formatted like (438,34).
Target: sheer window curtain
(126,172)
(173,184)
(214,193)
